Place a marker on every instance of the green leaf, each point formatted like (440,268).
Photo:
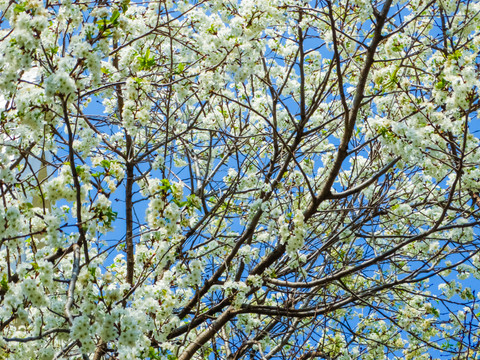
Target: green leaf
(114,18)
(146,62)
(26,206)
(441,84)
(166,183)
(4,282)
(455,55)
(19,8)
(180,68)
(180,203)
(212,30)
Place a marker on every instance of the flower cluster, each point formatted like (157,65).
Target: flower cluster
(60,83)
(176,174)
(34,293)
(297,238)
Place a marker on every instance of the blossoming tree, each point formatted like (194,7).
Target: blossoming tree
(252,179)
